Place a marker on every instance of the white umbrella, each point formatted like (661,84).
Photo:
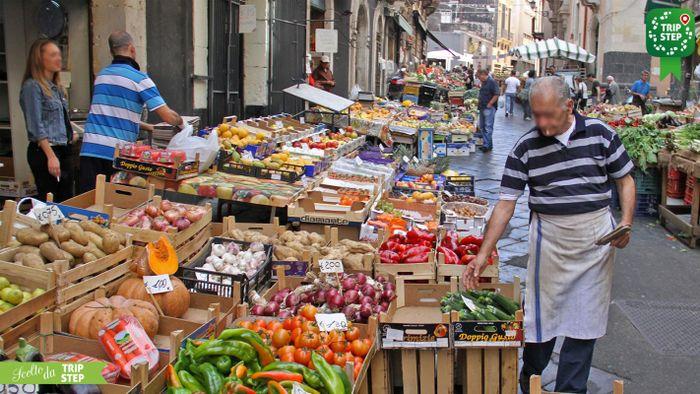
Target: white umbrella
(553,48)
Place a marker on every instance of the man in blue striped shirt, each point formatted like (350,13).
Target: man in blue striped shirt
(567,162)
(121,91)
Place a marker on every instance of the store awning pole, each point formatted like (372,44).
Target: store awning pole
(437,41)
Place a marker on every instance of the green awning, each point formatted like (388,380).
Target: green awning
(403,23)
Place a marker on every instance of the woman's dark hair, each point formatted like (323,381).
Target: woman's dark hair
(531,74)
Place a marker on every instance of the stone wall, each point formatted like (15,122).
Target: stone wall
(626,67)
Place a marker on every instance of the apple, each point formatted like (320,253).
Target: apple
(206,191)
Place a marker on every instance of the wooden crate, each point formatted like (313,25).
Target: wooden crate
(420,271)
(177,239)
(446,271)
(536,386)
(31,279)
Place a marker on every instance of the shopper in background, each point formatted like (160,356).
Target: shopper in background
(525,95)
(120,92)
(581,94)
(612,93)
(569,277)
(43,101)
(469,79)
(488,97)
(595,89)
(641,92)
(323,75)
(309,71)
(511,87)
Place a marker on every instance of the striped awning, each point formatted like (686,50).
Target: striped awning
(553,48)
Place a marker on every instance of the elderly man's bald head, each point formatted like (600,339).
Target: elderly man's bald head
(550,88)
(119,42)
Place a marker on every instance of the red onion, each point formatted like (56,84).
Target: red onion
(292,300)
(366,310)
(319,297)
(380,278)
(330,293)
(130,220)
(182,224)
(145,223)
(166,205)
(351,296)
(361,279)
(271,308)
(348,283)
(349,312)
(160,224)
(257,310)
(384,305)
(387,295)
(138,212)
(284,314)
(305,298)
(377,309)
(390,286)
(366,300)
(277,297)
(357,317)
(194,213)
(336,302)
(151,210)
(368,290)
(285,291)
(172,215)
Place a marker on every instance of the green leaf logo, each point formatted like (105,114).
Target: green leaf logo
(670,36)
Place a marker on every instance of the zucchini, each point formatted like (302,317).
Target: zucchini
(488,315)
(478,315)
(466,315)
(505,303)
(499,313)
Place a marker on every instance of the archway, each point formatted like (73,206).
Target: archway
(378,52)
(362,63)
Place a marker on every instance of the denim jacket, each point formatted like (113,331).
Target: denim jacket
(45,117)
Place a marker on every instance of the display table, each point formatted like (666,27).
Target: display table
(685,218)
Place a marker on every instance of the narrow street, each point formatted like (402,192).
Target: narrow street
(653,284)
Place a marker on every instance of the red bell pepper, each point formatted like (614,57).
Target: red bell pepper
(466,259)
(389,257)
(400,238)
(450,240)
(470,248)
(427,243)
(421,257)
(471,239)
(414,250)
(450,256)
(415,235)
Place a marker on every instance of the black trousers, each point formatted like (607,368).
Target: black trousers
(62,188)
(636,100)
(574,364)
(90,168)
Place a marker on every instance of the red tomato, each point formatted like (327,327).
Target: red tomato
(327,353)
(310,326)
(309,340)
(308,311)
(352,333)
(360,347)
(302,356)
(281,337)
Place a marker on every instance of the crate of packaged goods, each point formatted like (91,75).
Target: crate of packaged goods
(223,262)
(456,251)
(410,256)
(325,208)
(465,216)
(647,182)
(460,184)
(157,218)
(419,333)
(159,163)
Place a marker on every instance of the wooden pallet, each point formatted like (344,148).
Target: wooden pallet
(490,370)
(536,386)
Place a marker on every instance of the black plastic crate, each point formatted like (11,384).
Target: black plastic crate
(460,184)
(221,284)
(240,169)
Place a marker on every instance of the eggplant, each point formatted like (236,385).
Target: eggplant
(27,353)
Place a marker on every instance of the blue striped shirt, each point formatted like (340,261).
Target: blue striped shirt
(120,93)
(569,179)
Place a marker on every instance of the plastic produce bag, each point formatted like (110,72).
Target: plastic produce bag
(191,145)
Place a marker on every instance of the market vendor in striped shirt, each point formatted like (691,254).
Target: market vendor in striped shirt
(567,162)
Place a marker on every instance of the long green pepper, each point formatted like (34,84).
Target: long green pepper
(217,347)
(311,377)
(190,382)
(212,379)
(332,382)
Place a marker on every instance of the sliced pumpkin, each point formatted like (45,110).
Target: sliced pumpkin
(162,257)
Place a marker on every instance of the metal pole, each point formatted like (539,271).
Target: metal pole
(210,65)
(228,55)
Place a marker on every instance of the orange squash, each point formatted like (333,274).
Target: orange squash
(162,258)
(89,318)
(173,303)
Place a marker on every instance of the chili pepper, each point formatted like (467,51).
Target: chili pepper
(289,386)
(253,365)
(310,377)
(253,339)
(450,256)
(190,382)
(171,377)
(217,347)
(238,388)
(213,381)
(331,381)
(470,248)
(466,259)
(471,239)
(389,257)
(347,385)
(275,388)
(278,375)
(239,370)
(223,363)
(183,360)
(400,238)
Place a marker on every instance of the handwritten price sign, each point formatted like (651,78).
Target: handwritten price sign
(48,214)
(156,284)
(331,321)
(331,266)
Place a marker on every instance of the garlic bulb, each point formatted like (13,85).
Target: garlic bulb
(218,250)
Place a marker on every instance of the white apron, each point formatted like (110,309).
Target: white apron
(569,278)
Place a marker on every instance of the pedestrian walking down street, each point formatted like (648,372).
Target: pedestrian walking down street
(566,161)
(595,89)
(524,95)
(641,92)
(488,97)
(612,93)
(581,94)
(511,87)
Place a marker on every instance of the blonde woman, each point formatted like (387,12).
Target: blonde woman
(43,101)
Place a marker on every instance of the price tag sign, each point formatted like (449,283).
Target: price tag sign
(279,125)
(358,161)
(469,303)
(48,214)
(331,321)
(156,284)
(331,266)
(316,138)
(406,160)
(275,177)
(394,335)
(302,120)
(447,193)
(305,146)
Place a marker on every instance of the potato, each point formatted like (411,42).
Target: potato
(30,236)
(110,242)
(77,233)
(353,261)
(74,248)
(88,225)
(57,232)
(288,236)
(92,248)
(94,238)
(33,261)
(315,238)
(51,252)
(357,247)
(28,249)
(18,257)
(237,234)
(283,253)
(89,257)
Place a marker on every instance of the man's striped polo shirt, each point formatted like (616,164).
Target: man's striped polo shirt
(115,112)
(569,179)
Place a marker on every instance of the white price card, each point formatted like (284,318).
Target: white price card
(48,214)
(331,266)
(316,138)
(358,161)
(447,193)
(296,389)
(302,120)
(305,146)
(156,284)
(276,176)
(394,335)
(469,303)
(406,160)
(331,321)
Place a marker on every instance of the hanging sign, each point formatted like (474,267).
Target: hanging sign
(327,40)
(247,16)
(670,36)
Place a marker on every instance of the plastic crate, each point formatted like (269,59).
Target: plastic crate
(647,205)
(690,185)
(647,182)
(202,281)
(460,184)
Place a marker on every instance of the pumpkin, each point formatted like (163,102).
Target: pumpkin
(173,303)
(91,317)
(162,258)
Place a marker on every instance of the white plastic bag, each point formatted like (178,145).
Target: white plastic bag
(191,145)
(355,92)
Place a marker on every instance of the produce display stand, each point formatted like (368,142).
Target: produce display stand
(420,331)
(685,218)
(536,386)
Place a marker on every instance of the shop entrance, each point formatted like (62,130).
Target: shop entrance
(225,60)
(287,53)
